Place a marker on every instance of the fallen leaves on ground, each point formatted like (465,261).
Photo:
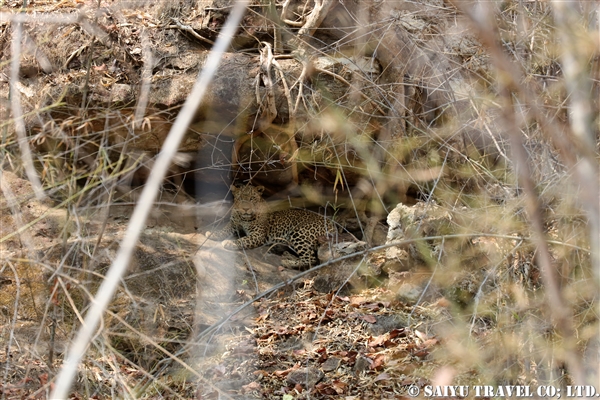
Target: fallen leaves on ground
(328,343)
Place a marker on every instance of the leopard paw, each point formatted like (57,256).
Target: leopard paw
(230,245)
(290,261)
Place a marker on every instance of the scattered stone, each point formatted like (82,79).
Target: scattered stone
(292,343)
(331,251)
(331,364)
(332,278)
(231,385)
(362,364)
(409,293)
(387,323)
(418,221)
(307,377)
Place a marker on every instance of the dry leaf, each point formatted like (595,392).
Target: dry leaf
(429,342)
(377,362)
(357,300)
(339,386)
(421,335)
(369,318)
(252,386)
(378,341)
(382,377)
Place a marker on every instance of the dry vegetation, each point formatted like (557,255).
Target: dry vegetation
(458,141)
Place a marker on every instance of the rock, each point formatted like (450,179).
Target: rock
(331,251)
(418,221)
(331,364)
(339,273)
(387,323)
(307,377)
(409,293)
(362,364)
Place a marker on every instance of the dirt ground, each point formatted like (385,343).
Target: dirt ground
(173,300)
(399,129)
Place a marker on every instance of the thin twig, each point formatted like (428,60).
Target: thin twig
(17,111)
(190,30)
(302,274)
(140,214)
(149,63)
(511,84)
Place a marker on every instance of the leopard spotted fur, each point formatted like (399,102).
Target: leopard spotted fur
(298,229)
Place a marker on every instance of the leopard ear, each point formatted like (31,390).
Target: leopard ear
(233,188)
(260,189)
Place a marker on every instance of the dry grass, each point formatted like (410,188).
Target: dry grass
(484,115)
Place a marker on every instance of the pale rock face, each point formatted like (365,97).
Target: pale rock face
(418,221)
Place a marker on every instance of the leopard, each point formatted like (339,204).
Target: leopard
(300,230)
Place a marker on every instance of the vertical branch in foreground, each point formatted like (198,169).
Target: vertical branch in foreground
(17,111)
(149,62)
(575,62)
(510,88)
(140,214)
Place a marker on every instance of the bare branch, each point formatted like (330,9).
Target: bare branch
(138,219)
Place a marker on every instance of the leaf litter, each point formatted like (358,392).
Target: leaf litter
(311,345)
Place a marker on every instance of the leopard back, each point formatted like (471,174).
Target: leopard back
(300,230)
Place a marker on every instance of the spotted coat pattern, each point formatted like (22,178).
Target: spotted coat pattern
(298,229)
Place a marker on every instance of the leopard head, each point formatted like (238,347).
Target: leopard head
(248,203)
